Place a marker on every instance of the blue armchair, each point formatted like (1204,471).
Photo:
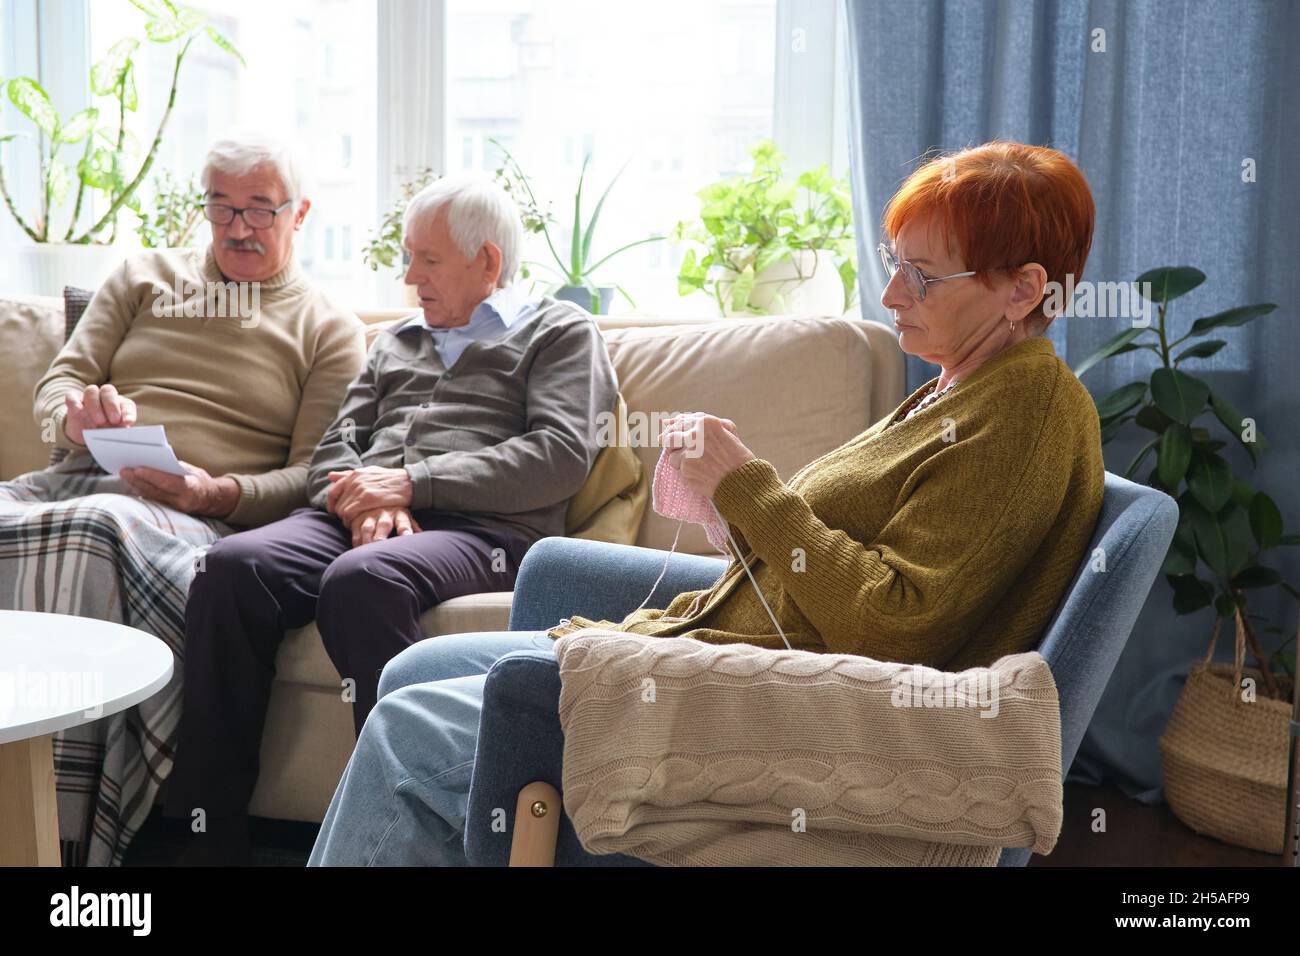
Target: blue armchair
(518,764)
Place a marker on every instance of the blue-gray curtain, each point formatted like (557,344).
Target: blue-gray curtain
(1161,124)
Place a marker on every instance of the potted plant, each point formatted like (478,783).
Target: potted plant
(384,249)
(764,251)
(574,272)
(61,250)
(1224,752)
(175,215)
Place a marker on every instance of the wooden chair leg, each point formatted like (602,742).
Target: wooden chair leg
(29,812)
(537,825)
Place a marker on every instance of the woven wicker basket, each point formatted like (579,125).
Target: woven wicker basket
(1225,759)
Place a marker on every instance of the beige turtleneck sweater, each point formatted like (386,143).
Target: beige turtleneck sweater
(247,398)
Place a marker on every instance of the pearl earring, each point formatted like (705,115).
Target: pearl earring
(1013,328)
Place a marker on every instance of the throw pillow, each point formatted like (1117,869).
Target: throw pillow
(75,302)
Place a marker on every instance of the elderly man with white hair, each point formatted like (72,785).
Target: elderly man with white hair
(460,444)
(245,395)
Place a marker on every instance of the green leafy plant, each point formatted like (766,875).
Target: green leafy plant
(176,211)
(107,157)
(383,250)
(750,222)
(577,268)
(1224,523)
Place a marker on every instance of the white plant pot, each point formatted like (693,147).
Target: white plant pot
(804,283)
(34,268)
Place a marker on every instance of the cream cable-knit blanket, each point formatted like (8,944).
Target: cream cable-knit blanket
(683,753)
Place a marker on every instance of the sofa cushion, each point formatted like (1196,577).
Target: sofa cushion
(612,502)
(302,658)
(31,334)
(796,387)
(75,303)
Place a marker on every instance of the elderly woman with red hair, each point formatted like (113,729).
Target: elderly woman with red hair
(945,534)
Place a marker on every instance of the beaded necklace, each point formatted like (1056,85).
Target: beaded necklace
(926,399)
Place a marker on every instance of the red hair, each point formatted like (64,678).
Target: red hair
(1008,204)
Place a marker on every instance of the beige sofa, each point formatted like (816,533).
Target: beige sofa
(796,386)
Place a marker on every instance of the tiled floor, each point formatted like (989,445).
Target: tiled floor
(1135,835)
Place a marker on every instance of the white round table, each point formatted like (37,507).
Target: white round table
(59,671)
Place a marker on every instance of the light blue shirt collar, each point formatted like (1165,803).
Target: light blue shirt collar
(504,306)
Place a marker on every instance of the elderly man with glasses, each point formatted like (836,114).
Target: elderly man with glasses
(244,398)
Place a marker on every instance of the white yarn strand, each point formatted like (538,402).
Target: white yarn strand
(745,564)
(663,570)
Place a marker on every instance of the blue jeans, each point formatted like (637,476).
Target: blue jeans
(403,797)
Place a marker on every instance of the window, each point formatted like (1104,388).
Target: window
(297,86)
(678,90)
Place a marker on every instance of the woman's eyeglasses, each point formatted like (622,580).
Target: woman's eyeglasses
(916,282)
(255,217)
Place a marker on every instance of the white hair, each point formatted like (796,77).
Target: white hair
(240,155)
(479,211)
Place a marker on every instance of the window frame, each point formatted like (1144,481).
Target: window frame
(60,61)
(808,118)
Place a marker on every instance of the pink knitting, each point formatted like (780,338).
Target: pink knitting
(673,499)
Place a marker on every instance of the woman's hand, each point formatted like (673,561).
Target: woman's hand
(704,449)
(99,406)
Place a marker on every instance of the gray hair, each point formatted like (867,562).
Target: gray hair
(240,155)
(479,211)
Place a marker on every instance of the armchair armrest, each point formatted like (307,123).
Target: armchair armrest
(520,741)
(930,782)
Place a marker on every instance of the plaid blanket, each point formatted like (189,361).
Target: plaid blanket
(74,540)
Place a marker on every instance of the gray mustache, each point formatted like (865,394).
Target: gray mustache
(251,245)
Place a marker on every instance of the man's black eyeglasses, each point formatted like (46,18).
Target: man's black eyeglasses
(255,217)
